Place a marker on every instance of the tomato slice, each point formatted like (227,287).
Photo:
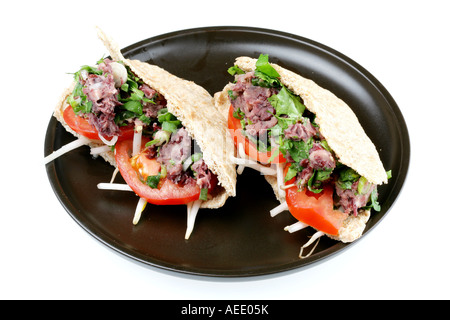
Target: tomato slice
(167,192)
(83,127)
(315,210)
(235,128)
(146,167)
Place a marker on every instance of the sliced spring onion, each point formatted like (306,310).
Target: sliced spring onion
(66,148)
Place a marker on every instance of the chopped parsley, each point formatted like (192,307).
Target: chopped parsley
(153,181)
(235,70)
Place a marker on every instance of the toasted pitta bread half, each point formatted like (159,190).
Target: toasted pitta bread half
(338,125)
(193,106)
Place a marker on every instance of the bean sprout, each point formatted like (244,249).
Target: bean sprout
(139,208)
(295,227)
(66,148)
(280,180)
(116,171)
(97,150)
(114,186)
(192,210)
(108,142)
(137,140)
(316,236)
(282,207)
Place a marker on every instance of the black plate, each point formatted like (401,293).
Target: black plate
(240,239)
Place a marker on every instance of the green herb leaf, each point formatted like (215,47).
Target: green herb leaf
(374,200)
(266,75)
(263,80)
(325,145)
(323,175)
(263,66)
(231,94)
(133,106)
(152,142)
(286,103)
(238,114)
(153,181)
(165,116)
(125,87)
(347,176)
(122,115)
(389,174)
(298,150)
(146,120)
(170,126)
(91,70)
(235,69)
(137,95)
(345,185)
(312,183)
(319,176)
(293,170)
(78,100)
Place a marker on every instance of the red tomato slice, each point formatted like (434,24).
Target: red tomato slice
(235,128)
(83,127)
(316,210)
(167,193)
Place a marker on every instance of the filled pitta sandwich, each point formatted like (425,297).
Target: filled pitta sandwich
(162,133)
(309,145)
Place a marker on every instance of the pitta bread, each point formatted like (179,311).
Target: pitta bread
(193,106)
(338,123)
(339,126)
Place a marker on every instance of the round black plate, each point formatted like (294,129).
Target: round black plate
(239,239)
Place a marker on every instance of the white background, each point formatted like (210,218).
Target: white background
(44,254)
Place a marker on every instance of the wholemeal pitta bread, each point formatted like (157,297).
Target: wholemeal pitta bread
(339,126)
(338,123)
(193,106)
